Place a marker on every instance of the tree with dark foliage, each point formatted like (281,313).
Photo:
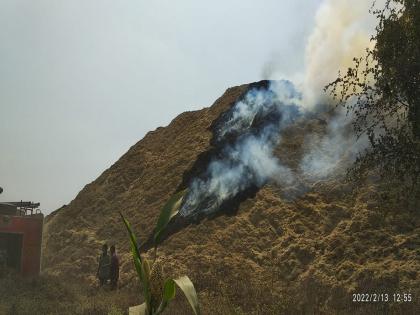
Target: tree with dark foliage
(382,90)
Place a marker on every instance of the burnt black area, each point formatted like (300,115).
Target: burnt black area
(228,208)
(215,150)
(219,123)
(198,170)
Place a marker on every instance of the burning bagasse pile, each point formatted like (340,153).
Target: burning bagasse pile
(268,226)
(244,138)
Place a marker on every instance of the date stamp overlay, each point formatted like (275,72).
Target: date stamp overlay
(382,297)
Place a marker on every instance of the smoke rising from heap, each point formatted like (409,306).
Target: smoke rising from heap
(342,32)
(247,135)
(250,131)
(333,151)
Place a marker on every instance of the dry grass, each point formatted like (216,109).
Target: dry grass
(47,295)
(276,255)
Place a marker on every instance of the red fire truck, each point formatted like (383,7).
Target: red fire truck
(21,236)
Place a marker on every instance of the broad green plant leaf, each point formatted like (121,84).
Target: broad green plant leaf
(169,290)
(168,295)
(169,210)
(138,263)
(185,284)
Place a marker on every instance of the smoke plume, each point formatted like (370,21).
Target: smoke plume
(246,137)
(248,133)
(342,31)
(329,153)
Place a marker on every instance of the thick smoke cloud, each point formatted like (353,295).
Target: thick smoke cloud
(247,136)
(255,123)
(342,31)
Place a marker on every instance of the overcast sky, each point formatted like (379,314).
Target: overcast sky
(81,81)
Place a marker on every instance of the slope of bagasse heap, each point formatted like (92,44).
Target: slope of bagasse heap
(137,184)
(272,254)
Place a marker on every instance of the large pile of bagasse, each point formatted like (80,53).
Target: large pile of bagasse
(273,256)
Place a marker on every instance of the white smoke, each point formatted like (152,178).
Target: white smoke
(342,32)
(256,122)
(332,152)
(247,136)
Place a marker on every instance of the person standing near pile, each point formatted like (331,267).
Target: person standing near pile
(115,268)
(104,266)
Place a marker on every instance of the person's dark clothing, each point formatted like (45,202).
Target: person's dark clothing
(115,271)
(104,265)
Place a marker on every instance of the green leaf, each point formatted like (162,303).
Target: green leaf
(169,210)
(134,249)
(138,310)
(168,295)
(146,269)
(185,284)
(169,290)
(138,263)
(133,239)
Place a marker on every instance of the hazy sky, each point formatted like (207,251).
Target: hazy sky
(82,80)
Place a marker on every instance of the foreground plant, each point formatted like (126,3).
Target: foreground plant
(156,303)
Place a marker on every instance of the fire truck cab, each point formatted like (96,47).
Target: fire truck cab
(21,236)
